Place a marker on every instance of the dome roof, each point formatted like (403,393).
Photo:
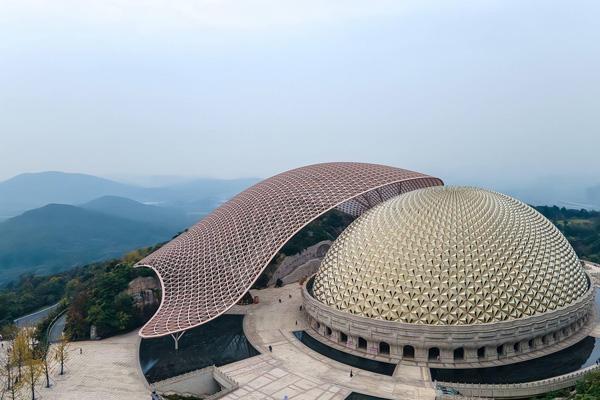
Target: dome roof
(450,256)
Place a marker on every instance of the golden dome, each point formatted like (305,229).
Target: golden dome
(450,256)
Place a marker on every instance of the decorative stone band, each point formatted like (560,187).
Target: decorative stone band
(453,346)
(519,390)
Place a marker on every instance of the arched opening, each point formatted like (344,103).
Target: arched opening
(384,348)
(500,350)
(343,337)
(459,354)
(517,347)
(328,331)
(408,352)
(362,343)
(434,354)
(318,325)
(545,339)
(555,336)
(531,344)
(481,352)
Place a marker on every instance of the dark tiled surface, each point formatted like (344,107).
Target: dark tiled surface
(218,342)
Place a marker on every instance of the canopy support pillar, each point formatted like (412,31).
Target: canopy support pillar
(176,337)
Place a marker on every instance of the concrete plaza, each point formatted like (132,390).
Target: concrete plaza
(109,368)
(294,370)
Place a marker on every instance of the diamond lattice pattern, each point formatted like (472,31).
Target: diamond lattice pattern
(450,256)
(208,269)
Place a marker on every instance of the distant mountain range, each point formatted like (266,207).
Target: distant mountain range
(58,236)
(173,219)
(32,190)
(54,221)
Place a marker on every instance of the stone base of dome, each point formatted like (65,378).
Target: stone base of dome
(467,346)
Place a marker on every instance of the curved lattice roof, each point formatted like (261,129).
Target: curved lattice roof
(206,270)
(450,256)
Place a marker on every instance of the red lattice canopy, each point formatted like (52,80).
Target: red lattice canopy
(206,270)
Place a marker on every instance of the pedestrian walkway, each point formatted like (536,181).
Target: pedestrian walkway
(294,370)
(104,369)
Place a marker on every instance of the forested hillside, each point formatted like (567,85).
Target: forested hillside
(96,294)
(581,227)
(58,237)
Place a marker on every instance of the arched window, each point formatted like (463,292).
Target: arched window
(517,347)
(408,352)
(384,348)
(500,350)
(531,344)
(459,354)
(434,354)
(343,337)
(362,343)
(328,331)
(481,352)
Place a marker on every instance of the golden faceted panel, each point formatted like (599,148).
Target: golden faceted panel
(450,256)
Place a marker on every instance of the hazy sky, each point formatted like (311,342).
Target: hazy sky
(502,90)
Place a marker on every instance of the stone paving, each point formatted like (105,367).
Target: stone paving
(106,369)
(264,378)
(294,370)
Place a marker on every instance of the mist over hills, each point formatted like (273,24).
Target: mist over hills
(171,218)
(574,192)
(53,221)
(32,190)
(57,237)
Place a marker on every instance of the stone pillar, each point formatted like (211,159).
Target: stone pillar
(491,353)
(321,329)
(471,354)
(421,354)
(396,350)
(352,342)
(335,336)
(538,343)
(524,345)
(372,347)
(446,355)
(568,331)
(509,349)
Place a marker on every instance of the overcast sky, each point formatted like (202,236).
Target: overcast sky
(465,90)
